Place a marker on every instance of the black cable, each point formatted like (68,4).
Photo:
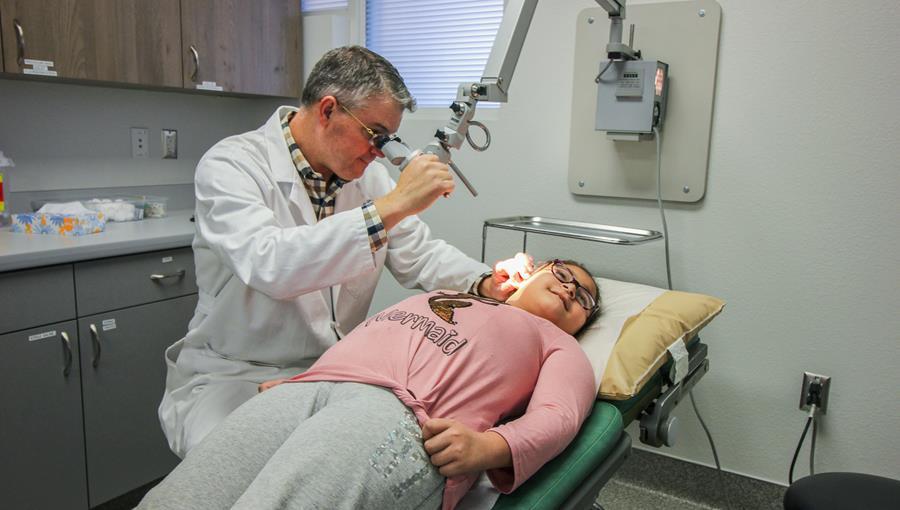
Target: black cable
(597,79)
(705,429)
(800,444)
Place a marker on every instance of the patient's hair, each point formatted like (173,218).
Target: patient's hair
(354,74)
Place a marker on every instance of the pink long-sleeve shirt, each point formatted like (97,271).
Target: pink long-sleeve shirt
(457,356)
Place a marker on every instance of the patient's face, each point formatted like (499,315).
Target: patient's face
(545,296)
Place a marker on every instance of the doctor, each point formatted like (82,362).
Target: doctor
(294,224)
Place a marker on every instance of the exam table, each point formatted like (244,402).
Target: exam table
(574,478)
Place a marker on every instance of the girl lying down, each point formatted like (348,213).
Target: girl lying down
(409,408)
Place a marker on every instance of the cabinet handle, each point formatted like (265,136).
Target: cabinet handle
(67,353)
(196,58)
(95,341)
(157,277)
(20,44)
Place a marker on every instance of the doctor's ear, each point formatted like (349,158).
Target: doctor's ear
(327,106)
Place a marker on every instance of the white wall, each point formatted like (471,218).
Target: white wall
(798,230)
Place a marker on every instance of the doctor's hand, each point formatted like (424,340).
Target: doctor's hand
(421,183)
(508,276)
(458,450)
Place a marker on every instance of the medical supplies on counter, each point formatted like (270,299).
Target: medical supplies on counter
(66,219)
(155,207)
(118,209)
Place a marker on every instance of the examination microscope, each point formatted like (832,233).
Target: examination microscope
(494,85)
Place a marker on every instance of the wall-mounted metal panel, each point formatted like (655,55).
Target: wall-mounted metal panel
(685,35)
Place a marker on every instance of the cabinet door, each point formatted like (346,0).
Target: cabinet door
(123,377)
(41,435)
(240,46)
(129,41)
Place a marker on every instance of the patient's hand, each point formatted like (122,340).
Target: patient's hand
(269,384)
(457,450)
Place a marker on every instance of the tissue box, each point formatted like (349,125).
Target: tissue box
(113,207)
(58,224)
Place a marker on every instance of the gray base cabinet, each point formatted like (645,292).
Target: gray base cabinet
(123,375)
(41,440)
(78,422)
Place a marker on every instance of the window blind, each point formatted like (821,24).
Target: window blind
(436,45)
(322,5)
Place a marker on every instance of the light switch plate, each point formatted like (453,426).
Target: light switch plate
(170,144)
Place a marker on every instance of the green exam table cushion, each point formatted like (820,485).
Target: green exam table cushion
(560,477)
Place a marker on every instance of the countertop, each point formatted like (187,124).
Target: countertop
(23,251)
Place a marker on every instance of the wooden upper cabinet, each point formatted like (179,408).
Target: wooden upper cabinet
(127,41)
(242,46)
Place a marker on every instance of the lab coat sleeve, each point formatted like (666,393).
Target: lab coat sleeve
(560,403)
(417,260)
(282,261)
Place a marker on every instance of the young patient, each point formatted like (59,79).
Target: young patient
(409,408)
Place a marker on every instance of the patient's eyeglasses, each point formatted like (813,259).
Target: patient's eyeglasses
(582,296)
(376,139)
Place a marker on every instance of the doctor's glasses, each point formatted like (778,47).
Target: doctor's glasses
(376,139)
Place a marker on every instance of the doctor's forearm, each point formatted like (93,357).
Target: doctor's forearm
(390,211)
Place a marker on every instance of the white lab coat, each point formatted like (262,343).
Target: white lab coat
(264,268)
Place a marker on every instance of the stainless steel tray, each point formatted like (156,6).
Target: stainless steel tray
(574,229)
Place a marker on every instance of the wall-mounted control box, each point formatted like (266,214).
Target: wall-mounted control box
(631,96)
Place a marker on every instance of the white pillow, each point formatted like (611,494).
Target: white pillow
(618,301)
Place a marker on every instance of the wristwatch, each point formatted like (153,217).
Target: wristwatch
(477,283)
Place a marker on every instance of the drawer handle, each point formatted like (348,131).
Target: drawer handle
(196,59)
(67,353)
(95,342)
(177,274)
(20,44)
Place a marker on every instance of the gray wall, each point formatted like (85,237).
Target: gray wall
(77,137)
(798,231)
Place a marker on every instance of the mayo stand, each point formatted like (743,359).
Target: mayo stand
(571,229)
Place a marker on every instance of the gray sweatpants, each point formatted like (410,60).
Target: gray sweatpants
(304,446)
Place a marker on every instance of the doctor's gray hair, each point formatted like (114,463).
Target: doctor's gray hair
(354,74)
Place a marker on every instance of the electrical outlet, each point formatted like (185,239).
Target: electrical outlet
(140,139)
(824,381)
(169,144)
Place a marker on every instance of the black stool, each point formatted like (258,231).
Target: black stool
(839,491)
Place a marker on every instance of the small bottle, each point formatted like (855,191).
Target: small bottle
(5,162)
(4,215)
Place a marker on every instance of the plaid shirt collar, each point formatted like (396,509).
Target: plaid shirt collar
(321,193)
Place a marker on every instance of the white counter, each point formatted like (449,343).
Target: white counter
(21,251)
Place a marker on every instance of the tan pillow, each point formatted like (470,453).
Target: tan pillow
(638,323)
